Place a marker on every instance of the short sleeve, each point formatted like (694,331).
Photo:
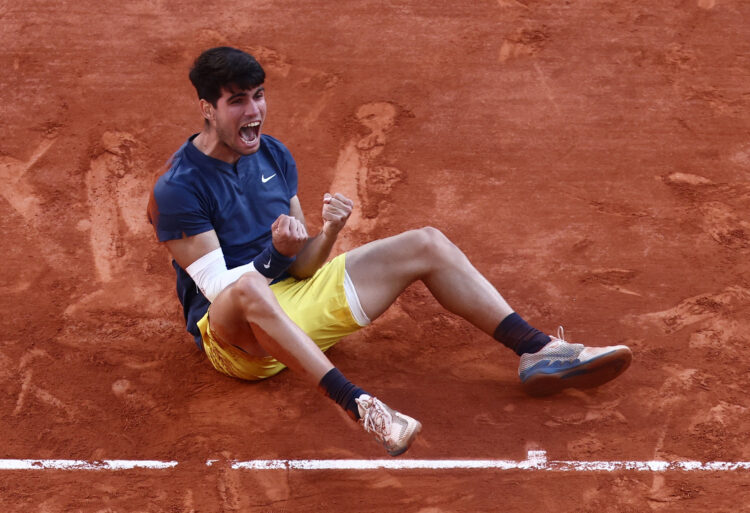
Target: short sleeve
(175,209)
(291,174)
(284,160)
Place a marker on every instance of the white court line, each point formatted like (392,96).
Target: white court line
(536,461)
(84,465)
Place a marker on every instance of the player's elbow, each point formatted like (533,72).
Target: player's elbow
(302,269)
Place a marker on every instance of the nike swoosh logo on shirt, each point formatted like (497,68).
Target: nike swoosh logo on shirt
(264,179)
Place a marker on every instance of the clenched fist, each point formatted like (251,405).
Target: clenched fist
(288,235)
(336,211)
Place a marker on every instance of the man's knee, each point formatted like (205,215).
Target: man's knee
(252,295)
(433,243)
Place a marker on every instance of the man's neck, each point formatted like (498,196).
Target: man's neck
(209,144)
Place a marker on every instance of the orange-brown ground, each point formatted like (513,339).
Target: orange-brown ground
(592,157)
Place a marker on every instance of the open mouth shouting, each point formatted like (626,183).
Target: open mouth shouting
(250,133)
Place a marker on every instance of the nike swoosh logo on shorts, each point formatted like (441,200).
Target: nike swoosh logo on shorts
(264,179)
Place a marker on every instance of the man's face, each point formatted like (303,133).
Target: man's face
(238,118)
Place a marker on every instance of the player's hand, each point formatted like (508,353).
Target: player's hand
(288,235)
(336,212)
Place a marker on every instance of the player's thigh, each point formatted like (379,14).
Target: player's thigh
(232,312)
(382,269)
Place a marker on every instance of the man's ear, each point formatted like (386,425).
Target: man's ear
(207,110)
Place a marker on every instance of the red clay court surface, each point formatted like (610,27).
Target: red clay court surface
(592,158)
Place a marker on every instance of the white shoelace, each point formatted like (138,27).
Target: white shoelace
(561,335)
(377,419)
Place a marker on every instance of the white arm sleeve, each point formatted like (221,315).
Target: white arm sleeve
(211,275)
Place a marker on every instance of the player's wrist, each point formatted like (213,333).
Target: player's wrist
(331,230)
(271,263)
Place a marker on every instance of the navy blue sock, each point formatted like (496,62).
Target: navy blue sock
(516,334)
(341,390)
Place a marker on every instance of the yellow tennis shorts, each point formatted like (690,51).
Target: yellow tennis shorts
(316,304)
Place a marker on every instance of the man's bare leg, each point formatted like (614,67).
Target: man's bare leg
(248,315)
(382,269)
(249,301)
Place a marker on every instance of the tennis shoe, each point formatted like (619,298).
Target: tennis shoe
(393,430)
(560,365)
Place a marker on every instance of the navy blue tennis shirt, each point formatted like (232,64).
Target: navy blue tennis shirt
(239,201)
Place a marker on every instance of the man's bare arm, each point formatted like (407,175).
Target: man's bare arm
(336,211)
(202,258)
(187,250)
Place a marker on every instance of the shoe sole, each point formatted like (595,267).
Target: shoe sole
(409,441)
(593,373)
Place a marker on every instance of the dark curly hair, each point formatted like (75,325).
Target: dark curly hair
(222,68)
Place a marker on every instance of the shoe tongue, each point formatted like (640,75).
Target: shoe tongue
(364,398)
